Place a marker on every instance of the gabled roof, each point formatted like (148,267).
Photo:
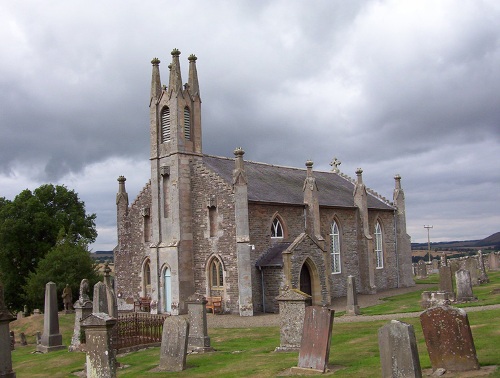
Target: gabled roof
(273,256)
(283,185)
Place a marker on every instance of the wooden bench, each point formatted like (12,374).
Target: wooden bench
(214,303)
(143,304)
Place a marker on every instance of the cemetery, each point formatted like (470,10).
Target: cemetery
(397,337)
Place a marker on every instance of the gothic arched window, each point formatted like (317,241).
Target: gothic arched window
(187,123)
(277,229)
(335,247)
(165,124)
(379,252)
(147,278)
(216,274)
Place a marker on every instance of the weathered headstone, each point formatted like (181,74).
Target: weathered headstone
(434,298)
(464,286)
(471,266)
(51,338)
(292,310)
(83,308)
(20,315)
(5,346)
(38,337)
(352,307)
(446,281)
(494,261)
(454,265)
(101,361)
(22,336)
(435,265)
(449,339)
(421,269)
(483,277)
(398,351)
(198,331)
(444,260)
(174,344)
(316,335)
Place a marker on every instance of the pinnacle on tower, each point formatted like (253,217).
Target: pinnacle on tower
(194,87)
(155,81)
(175,80)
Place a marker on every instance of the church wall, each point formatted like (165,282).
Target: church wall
(386,277)
(210,189)
(131,252)
(273,278)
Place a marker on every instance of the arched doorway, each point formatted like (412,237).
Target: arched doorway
(167,285)
(309,282)
(305,280)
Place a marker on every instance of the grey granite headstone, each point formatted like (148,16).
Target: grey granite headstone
(51,338)
(464,286)
(398,351)
(292,309)
(198,331)
(83,308)
(449,339)
(472,266)
(174,344)
(352,307)
(5,347)
(101,360)
(494,261)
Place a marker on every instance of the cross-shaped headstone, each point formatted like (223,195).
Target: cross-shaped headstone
(335,164)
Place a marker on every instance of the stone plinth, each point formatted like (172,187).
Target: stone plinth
(449,339)
(398,351)
(292,307)
(174,344)
(352,307)
(51,338)
(198,339)
(101,361)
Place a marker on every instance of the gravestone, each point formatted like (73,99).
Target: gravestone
(352,307)
(471,266)
(483,277)
(421,269)
(435,265)
(494,263)
(198,339)
(20,315)
(464,286)
(174,344)
(292,310)
(449,339)
(38,337)
(398,351)
(434,298)
(454,265)
(51,338)
(83,308)
(37,311)
(315,345)
(444,260)
(446,281)
(101,361)
(5,345)
(22,336)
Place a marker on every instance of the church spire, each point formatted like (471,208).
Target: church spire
(155,81)
(194,87)
(175,80)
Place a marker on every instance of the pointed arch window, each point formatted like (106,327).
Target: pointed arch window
(335,247)
(276,229)
(379,252)
(216,274)
(147,278)
(165,124)
(187,123)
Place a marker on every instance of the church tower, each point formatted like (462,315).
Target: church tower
(175,139)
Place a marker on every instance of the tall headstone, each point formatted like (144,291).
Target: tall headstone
(444,260)
(421,269)
(51,338)
(398,351)
(464,286)
(483,277)
(494,261)
(352,307)
(174,344)
(101,360)
(5,352)
(315,345)
(472,266)
(449,339)
(83,308)
(292,310)
(435,265)
(446,281)
(198,331)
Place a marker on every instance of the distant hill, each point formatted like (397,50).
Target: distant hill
(492,241)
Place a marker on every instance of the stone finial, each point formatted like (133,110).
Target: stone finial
(192,58)
(238,152)
(335,165)
(309,164)
(397,179)
(155,62)
(359,174)
(175,52)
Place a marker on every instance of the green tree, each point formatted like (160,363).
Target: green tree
(67,263)
(29,228)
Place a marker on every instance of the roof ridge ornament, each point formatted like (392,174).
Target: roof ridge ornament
(335,165)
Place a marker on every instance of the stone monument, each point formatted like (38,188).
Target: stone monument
(51,338)
(83,308)
(483,277)
(352,307)
(174,344)
(198,331)
(464,286)
(292,307)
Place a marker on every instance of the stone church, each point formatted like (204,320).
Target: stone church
(242,230)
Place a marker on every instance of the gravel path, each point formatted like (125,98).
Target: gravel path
(272,320)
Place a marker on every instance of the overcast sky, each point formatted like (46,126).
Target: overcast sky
(408,87)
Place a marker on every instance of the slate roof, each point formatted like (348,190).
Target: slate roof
(283,185)
(273,256)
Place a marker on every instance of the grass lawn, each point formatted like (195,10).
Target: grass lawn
(249,352)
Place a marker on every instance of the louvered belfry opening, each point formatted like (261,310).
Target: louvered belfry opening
(165,124)
(187,123)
